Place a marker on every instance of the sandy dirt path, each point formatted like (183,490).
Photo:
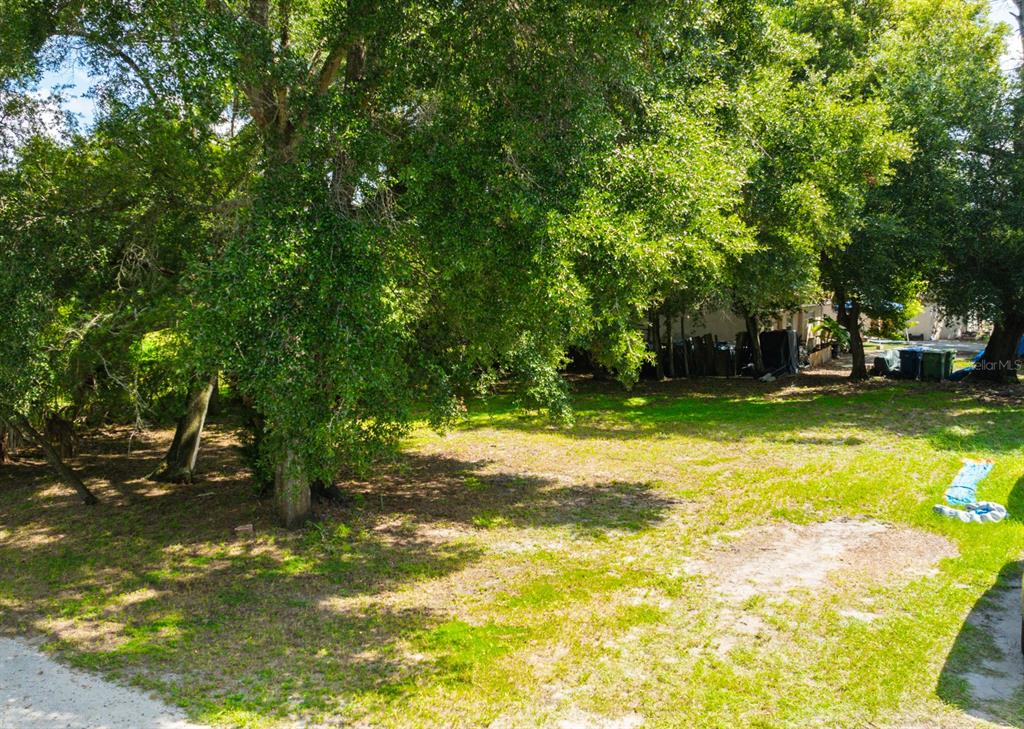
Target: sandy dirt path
(36,692)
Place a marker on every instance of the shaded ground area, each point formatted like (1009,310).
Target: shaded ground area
(717,553)
(155,586)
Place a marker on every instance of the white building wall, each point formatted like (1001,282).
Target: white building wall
(724,325)
(933,325)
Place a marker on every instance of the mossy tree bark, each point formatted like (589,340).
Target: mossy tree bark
(291,492)
(179,464)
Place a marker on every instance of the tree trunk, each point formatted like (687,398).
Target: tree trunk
(671,348)
(8,444)
(214,406)
(659,365)
(14,442)
(180,462)
(852,324)
(64,472)
(686,348)
(61,433)
(998,362)
(291,492)
(754,334)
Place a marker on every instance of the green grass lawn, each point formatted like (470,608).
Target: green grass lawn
(516,572)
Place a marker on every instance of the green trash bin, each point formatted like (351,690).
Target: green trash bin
(937,364)
(931,365)
(947,363)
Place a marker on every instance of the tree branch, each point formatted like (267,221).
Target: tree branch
(122,56)
(284,10)
(329,71)
(143,76)
(259,12)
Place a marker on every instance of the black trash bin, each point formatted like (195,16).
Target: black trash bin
(725,359)
(910,363)
(780,351)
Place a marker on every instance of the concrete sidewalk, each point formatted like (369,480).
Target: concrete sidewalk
(36,692)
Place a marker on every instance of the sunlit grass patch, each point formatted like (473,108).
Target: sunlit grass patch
(521,572)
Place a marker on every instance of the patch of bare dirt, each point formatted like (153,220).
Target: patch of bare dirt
(578,719)
(773,560)
(776,559)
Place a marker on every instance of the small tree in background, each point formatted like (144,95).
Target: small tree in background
(819,149)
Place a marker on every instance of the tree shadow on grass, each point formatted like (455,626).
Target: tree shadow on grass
(429,489)
(1015,501)
(155,585)
(984,672)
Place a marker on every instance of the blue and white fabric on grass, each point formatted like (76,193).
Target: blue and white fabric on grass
(982,511)
(964,489)
(964,492)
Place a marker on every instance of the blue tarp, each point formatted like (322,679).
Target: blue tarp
(1020,350)
(962,373)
